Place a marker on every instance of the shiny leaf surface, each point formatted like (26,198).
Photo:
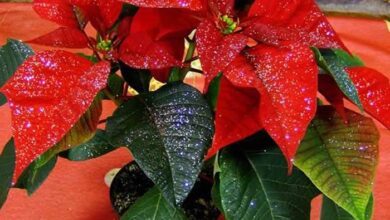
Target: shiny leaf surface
(50,87)
(168,133)
(335,66)
(12,55)
(255,185)
(340,159)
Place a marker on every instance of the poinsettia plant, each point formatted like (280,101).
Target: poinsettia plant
(267,134)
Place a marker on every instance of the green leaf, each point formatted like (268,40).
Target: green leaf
(12,55)
(97,146)
(213,91)
(138,79)
(331,210)
(255,185)
(7,166)
(129,184)
(115,83)
(335,62)
(36,173)
(168,133)
(153,206)
(341,159)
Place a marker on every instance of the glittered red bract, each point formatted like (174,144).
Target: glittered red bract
(47,96)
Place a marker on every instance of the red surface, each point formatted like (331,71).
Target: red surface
(80,81)
(76,190)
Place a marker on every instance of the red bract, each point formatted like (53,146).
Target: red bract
(217,51)
(281,66)
(72,15)
(236,115)
(156,38)
(374,92)
(101,13)
(47,95)
(329,89)
(59,11)
(287,82)
(188,4)
(63,37)
(302,17)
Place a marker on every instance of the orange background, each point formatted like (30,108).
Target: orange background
(76,190)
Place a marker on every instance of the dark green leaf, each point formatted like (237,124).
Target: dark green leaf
(168,133)
(129,184)
(12,55)
(153,206)
(331,210)
(115,84)
(7,166)
(138,79)
(335,62)
(95,147)
(213,91)
(340,159)
(37,172)
(255,185)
